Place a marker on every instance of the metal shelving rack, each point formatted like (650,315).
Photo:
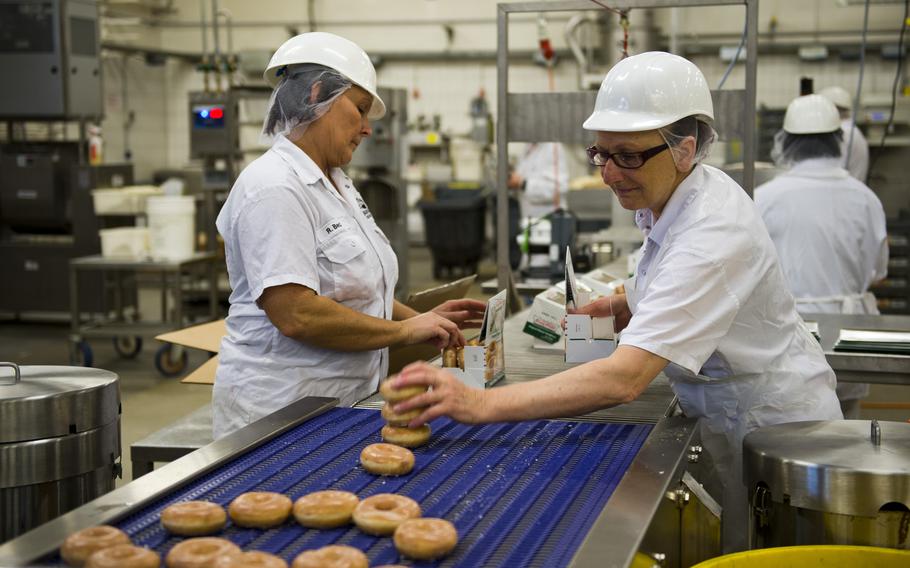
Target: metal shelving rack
(546,113)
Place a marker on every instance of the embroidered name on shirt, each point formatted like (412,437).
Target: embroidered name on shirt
(363,208)
(332,226)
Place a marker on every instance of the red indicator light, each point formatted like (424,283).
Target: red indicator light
(217,113)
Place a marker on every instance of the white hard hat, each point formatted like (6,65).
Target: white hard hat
(837,95)
(332,51)
(811,114)
(648,91)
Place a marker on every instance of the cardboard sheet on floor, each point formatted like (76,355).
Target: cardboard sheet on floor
(207,336)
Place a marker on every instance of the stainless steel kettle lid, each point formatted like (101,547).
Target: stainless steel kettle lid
(851,467)
(38,401)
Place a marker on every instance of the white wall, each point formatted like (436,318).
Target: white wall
(160,135)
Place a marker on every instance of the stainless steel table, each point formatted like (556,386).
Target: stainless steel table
(863,367)
(172,442)
(173,275)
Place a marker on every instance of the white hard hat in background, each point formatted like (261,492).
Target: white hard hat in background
(837,95)
(334,52)
(648,91)
(811,114)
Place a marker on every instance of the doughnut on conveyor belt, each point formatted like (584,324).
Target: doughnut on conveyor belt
(522,494)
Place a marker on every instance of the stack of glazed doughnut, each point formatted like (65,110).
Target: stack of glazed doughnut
(397,431)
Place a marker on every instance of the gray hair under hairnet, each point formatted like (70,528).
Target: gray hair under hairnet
(690,126)
(305,93)
(790,149)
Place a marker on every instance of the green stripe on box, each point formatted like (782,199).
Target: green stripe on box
(541,332)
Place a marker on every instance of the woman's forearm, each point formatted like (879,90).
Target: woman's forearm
(301,314)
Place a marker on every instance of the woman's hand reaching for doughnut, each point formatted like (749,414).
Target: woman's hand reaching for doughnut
(447,397)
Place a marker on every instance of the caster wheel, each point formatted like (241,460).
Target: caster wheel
(169,364)
(128,347)
(83,354)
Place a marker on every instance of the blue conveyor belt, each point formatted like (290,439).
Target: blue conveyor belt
(521,494)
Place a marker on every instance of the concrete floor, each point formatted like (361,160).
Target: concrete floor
(151,402)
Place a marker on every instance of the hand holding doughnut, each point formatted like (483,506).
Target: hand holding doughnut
(448,397)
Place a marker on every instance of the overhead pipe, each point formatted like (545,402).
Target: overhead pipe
(230,60)
(217,61)
(205,64)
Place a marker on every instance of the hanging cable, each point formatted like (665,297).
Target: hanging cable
(623,23)
(859,83)
(742,42)
(897,76)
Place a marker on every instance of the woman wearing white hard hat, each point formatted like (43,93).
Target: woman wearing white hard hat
(708,305)
(312,275)
(828,227)
(854,149)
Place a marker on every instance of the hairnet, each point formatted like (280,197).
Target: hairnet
(305,93)
(790,148)
(674,134)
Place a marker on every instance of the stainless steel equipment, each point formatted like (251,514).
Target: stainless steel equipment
(46,218)
(49,51)
(829,482)
(59,442)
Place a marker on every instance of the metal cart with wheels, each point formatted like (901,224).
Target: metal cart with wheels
(177,276)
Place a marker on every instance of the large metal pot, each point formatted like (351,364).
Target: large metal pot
(829,482)
(59,441)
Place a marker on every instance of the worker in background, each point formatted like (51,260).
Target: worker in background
(828,227)
(708,305)
(542,178)
(855,150)
(312,274)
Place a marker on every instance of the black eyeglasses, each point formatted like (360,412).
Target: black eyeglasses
(625,160)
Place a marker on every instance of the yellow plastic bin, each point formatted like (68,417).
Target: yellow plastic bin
(829,556)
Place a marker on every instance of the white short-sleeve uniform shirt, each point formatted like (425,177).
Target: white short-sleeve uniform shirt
(709,296)
(831,237)
(284,223)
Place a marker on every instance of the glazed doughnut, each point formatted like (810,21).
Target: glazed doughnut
(253,559)
(387,459)
(396,419)
(450,357)
(460,358)
(425,539)
(382,513)
(399,395)
(124,555)
(260,509)
(80,545)
(325,509)
(200,552)
(334,556)
(406,437)
(193,518)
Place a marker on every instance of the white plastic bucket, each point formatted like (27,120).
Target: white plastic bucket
(172,226)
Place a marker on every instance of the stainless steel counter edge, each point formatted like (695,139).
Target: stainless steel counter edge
(619,530)
(43,540)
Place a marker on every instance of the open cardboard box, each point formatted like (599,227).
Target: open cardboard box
(208,336)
